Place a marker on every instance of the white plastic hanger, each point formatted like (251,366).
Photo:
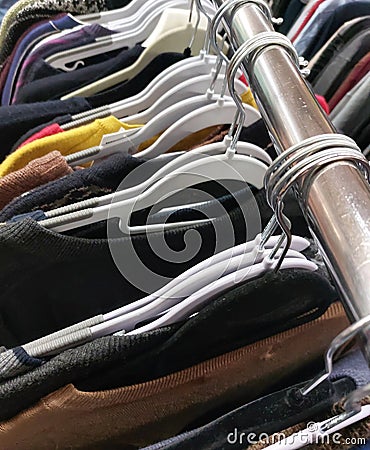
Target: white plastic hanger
(179,72)
(220,167)
(116,14)
(183,70)
(197,300)
(175,39)
(170,165)
(180,121)
(217,113)
(128,23)
(129,142)
(174,75)
(185,285)
(131,33)
(207,284)
(316,432)
(187,89)
(179,287)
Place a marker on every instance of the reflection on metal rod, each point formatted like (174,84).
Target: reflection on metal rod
(337,201)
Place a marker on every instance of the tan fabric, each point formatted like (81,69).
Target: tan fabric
(138,415)
(197,139)
(36,173)
(356,431)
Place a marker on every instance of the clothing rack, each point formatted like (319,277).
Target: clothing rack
(336,201)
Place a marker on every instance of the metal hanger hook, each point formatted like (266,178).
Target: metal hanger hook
(215,23)
(352,407)
(191,11)
(232,70)
(236,4)
(207,42)
(336,344)
(192,4)
(212,36)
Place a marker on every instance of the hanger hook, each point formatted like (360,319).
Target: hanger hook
(191,11)
(285,225)
(212,39)
(192,4)
(216,21)
(352,407)
(207,42)
(236,61)
(217,70)
(337,343)
(232,70)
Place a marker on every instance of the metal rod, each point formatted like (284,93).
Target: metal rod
(337,202)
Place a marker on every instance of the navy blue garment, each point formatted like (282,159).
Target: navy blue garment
(274,412)
(292,12)
(35,215)
(60,83)
(137,84)
(65,22)
(61,120)
(341,40)
(329,17)
(363,447)
(16,120)
(279,6)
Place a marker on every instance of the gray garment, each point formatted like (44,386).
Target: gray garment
(352,113)
(327,19)
(339,63)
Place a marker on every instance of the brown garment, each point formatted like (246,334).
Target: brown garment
(142,414)
(199,139)
(36,173)
(346,440)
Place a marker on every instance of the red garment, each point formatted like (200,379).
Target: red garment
(356,74)
(310,13)
(50,130)
(323,103)
(243,80)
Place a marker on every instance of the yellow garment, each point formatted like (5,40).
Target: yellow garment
(86,136)
(66,143)
(248,98)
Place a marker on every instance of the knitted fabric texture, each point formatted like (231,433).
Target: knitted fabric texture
(36,173)
(27,12)
(140,414)
(67,143)
(16,120)
(49,130)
